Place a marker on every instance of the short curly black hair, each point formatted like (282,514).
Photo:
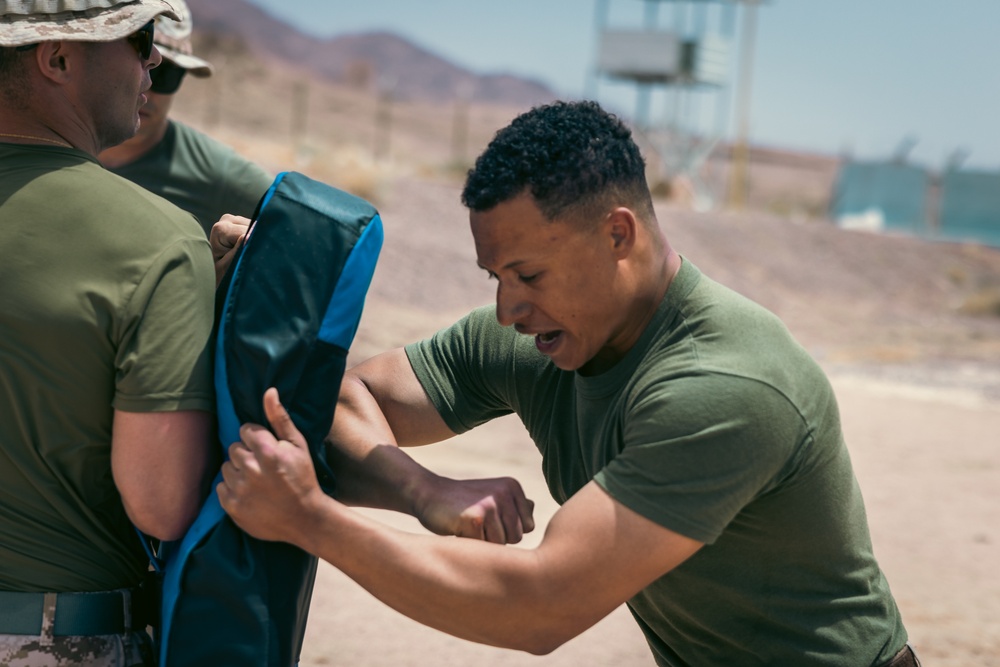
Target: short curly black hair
(571,156)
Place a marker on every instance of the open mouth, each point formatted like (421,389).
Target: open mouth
(547,340)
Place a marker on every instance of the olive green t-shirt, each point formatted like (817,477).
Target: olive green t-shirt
(720,427)
(106,302)
(200,175)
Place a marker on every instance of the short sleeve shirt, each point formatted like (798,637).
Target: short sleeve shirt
(106,303)
(199,175)
(715,425)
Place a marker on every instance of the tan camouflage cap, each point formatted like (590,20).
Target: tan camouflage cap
(30,21)
(173,39)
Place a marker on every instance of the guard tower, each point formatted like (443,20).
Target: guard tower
(678,59)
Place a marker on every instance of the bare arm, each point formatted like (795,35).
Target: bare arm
(530,600)
(161,462)
(382,405)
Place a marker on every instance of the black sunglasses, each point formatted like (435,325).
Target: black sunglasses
(166,78)
(142,40)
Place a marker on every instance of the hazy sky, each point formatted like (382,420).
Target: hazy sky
(829,75)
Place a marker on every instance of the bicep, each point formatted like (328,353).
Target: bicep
(385,389)
(160,462)
(595,538)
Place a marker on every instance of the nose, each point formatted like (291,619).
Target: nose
(155,58)
(511,306)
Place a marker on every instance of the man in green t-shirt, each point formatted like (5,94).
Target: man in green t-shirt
(695,447)
(106,313)
(193,171)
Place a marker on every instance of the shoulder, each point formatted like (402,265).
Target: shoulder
(477,350)
(186,135)
(130,221)
(747,373)
(478,338)
(210,151)
(139,209)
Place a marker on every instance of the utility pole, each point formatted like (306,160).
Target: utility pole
(739,162)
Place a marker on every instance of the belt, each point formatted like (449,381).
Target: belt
(76,614)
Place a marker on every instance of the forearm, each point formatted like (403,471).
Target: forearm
(380,476)
(473,590)
(363,449)
(529,600)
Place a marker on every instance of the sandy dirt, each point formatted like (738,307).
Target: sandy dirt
(918,385)
(908,330)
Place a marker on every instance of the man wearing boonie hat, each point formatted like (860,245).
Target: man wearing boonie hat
(197,173)
(107,311)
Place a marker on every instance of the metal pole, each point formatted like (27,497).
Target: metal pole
(601,10)
(738,182)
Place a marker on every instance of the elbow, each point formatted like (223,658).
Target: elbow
(163,522)
(543,645)
(538,639)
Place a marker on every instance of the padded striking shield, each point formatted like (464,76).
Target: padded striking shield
(286,314)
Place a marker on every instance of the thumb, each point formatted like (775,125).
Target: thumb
(281,422)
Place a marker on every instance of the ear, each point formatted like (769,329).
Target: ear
(54,59)
(622,228)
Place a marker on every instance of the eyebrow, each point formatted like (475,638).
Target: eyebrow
(509,265)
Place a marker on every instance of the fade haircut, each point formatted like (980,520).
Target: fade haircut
(14,82)
(574,158)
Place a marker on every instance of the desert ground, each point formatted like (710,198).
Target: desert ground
(908,331)
(919,392)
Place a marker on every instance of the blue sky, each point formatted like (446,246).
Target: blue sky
(861,76)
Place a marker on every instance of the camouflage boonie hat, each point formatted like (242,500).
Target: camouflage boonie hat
(173,39)
(30,21)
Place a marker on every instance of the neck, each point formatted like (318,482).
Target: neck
(32,139)
(129,151)
(671,265)
(650,286)
(659,278)
(30,126)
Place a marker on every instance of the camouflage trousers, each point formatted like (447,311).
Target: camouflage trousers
(129,650)
(132,649)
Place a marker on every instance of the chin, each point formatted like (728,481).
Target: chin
(566,365)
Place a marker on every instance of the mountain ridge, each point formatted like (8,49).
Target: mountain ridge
(387,62)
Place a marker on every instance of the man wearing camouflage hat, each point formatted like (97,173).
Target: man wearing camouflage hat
(197,173)
(107,311)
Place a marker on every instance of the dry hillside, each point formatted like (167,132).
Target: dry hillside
(925,316)
(851,297)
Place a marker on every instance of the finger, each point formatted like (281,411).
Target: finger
(493,528)
(525,510)
(225,496)
(252,430)
(235,220)
(256,439)
(227,233)
(280,420)
(238,445)
(230,223)
(511,522)
(472,527)
(229,501)
(243,460)
(230,473)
